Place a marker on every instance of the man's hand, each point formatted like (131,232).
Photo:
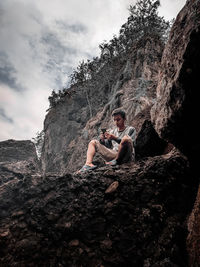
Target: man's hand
(102,137)
(109,136)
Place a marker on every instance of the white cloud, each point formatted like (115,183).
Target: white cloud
(26,110)
(169,9)
(41,41)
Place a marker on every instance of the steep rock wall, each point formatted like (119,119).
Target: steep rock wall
(176,111)
(18,158)
(69,126)
(13,151)
(193,239)
(175,114)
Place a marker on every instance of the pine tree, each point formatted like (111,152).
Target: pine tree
(144,19)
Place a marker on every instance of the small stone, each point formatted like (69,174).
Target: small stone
(18,213)
(74,243)
(4,234)
(109,205)
(146,212)
(80,251)
(106,244)
(67,225)
(112,188)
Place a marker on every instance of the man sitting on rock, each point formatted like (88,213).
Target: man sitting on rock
(116,147)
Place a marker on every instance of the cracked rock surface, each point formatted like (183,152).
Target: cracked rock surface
(134,215)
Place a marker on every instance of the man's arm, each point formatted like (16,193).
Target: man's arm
(117,139)
(132,134)
(105,142)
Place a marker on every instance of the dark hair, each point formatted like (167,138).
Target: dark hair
(119,112)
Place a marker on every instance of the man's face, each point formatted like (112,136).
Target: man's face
(119,121)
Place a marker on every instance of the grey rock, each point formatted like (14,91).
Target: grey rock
(18,158)
(176,110)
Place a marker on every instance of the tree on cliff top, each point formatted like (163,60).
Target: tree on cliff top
(143,21)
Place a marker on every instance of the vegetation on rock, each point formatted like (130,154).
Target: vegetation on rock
(143,21)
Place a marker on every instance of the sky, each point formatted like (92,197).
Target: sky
(41,42)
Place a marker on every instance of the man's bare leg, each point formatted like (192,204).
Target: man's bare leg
(124,148)
(90,153)
(124,152)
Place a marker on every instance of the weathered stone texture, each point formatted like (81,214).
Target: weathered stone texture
(175,114)
(176,111)
(17,157)
(148,143)
(131,216)
(193,239)
(12,151)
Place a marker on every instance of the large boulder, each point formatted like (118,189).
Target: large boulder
(17,157)
(134,215)
(193,239)
(12,150)
(175,114)
(148,143)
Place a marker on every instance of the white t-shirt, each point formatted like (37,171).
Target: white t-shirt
(129,130)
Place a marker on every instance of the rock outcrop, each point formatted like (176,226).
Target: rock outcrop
(17,158)
(134,215)
(193,239)
(14,151)
(148,143)
(176,111)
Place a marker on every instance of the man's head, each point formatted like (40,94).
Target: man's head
(119,117)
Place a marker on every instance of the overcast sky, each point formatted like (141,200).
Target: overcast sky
(41,42)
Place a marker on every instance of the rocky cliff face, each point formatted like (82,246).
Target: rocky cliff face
(17,158)
(69,126)
(132,215)
(175,113)
(176,110)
